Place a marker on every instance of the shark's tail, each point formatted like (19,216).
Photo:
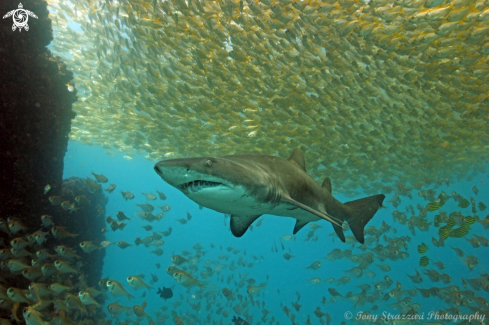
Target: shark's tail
(358,214)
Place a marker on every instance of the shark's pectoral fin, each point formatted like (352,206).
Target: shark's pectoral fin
(240,224)
(287,199)
(299,224)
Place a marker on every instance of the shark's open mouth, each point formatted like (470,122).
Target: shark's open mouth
(198,185)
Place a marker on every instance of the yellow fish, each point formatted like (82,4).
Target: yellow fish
(100,178)
(186,279)
(87,299)
(136,283)
(127,195)
(88,246)
(111,188)
(92,187)
(64,267)
(116,289)
(115,309)
(32,316)
(60,232)
(255,290)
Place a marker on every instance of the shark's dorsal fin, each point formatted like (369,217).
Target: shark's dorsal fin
(240,224)
(286,198)
(298,157)
(327,184)
(299,224)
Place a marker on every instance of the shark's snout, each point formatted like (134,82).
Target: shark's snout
(157,169)
(162,168)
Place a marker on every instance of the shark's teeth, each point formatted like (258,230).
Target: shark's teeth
(198,185)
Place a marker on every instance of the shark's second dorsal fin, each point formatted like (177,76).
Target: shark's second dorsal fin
(298,157)
(327,184)
(240,224)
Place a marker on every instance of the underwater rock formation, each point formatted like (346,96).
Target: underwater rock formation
(35,114)
(87,221)
(35,119)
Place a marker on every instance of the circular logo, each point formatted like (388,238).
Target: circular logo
(20,18)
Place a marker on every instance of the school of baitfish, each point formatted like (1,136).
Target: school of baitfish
(218,289)
(377,91)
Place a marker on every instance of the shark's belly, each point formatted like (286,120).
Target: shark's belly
(235,201)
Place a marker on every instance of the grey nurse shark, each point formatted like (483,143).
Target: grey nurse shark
(248,186)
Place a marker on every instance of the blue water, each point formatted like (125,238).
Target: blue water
(285,278)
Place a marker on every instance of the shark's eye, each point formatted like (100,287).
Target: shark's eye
(209,162)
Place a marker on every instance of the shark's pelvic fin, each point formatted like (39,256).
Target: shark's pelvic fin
(298,157)
(360,212)
(299,225)
(240,224)
(286,198)
(327,184)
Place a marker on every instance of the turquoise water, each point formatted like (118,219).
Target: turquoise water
(374,92)
(284,279)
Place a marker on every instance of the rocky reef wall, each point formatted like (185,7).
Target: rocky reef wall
(35,119)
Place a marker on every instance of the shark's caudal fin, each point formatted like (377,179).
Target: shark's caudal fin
(358,214)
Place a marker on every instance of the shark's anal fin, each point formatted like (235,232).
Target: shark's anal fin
(299,225)
(327,184)
(298,157)
(286,198)
(240,224)
(339,231)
